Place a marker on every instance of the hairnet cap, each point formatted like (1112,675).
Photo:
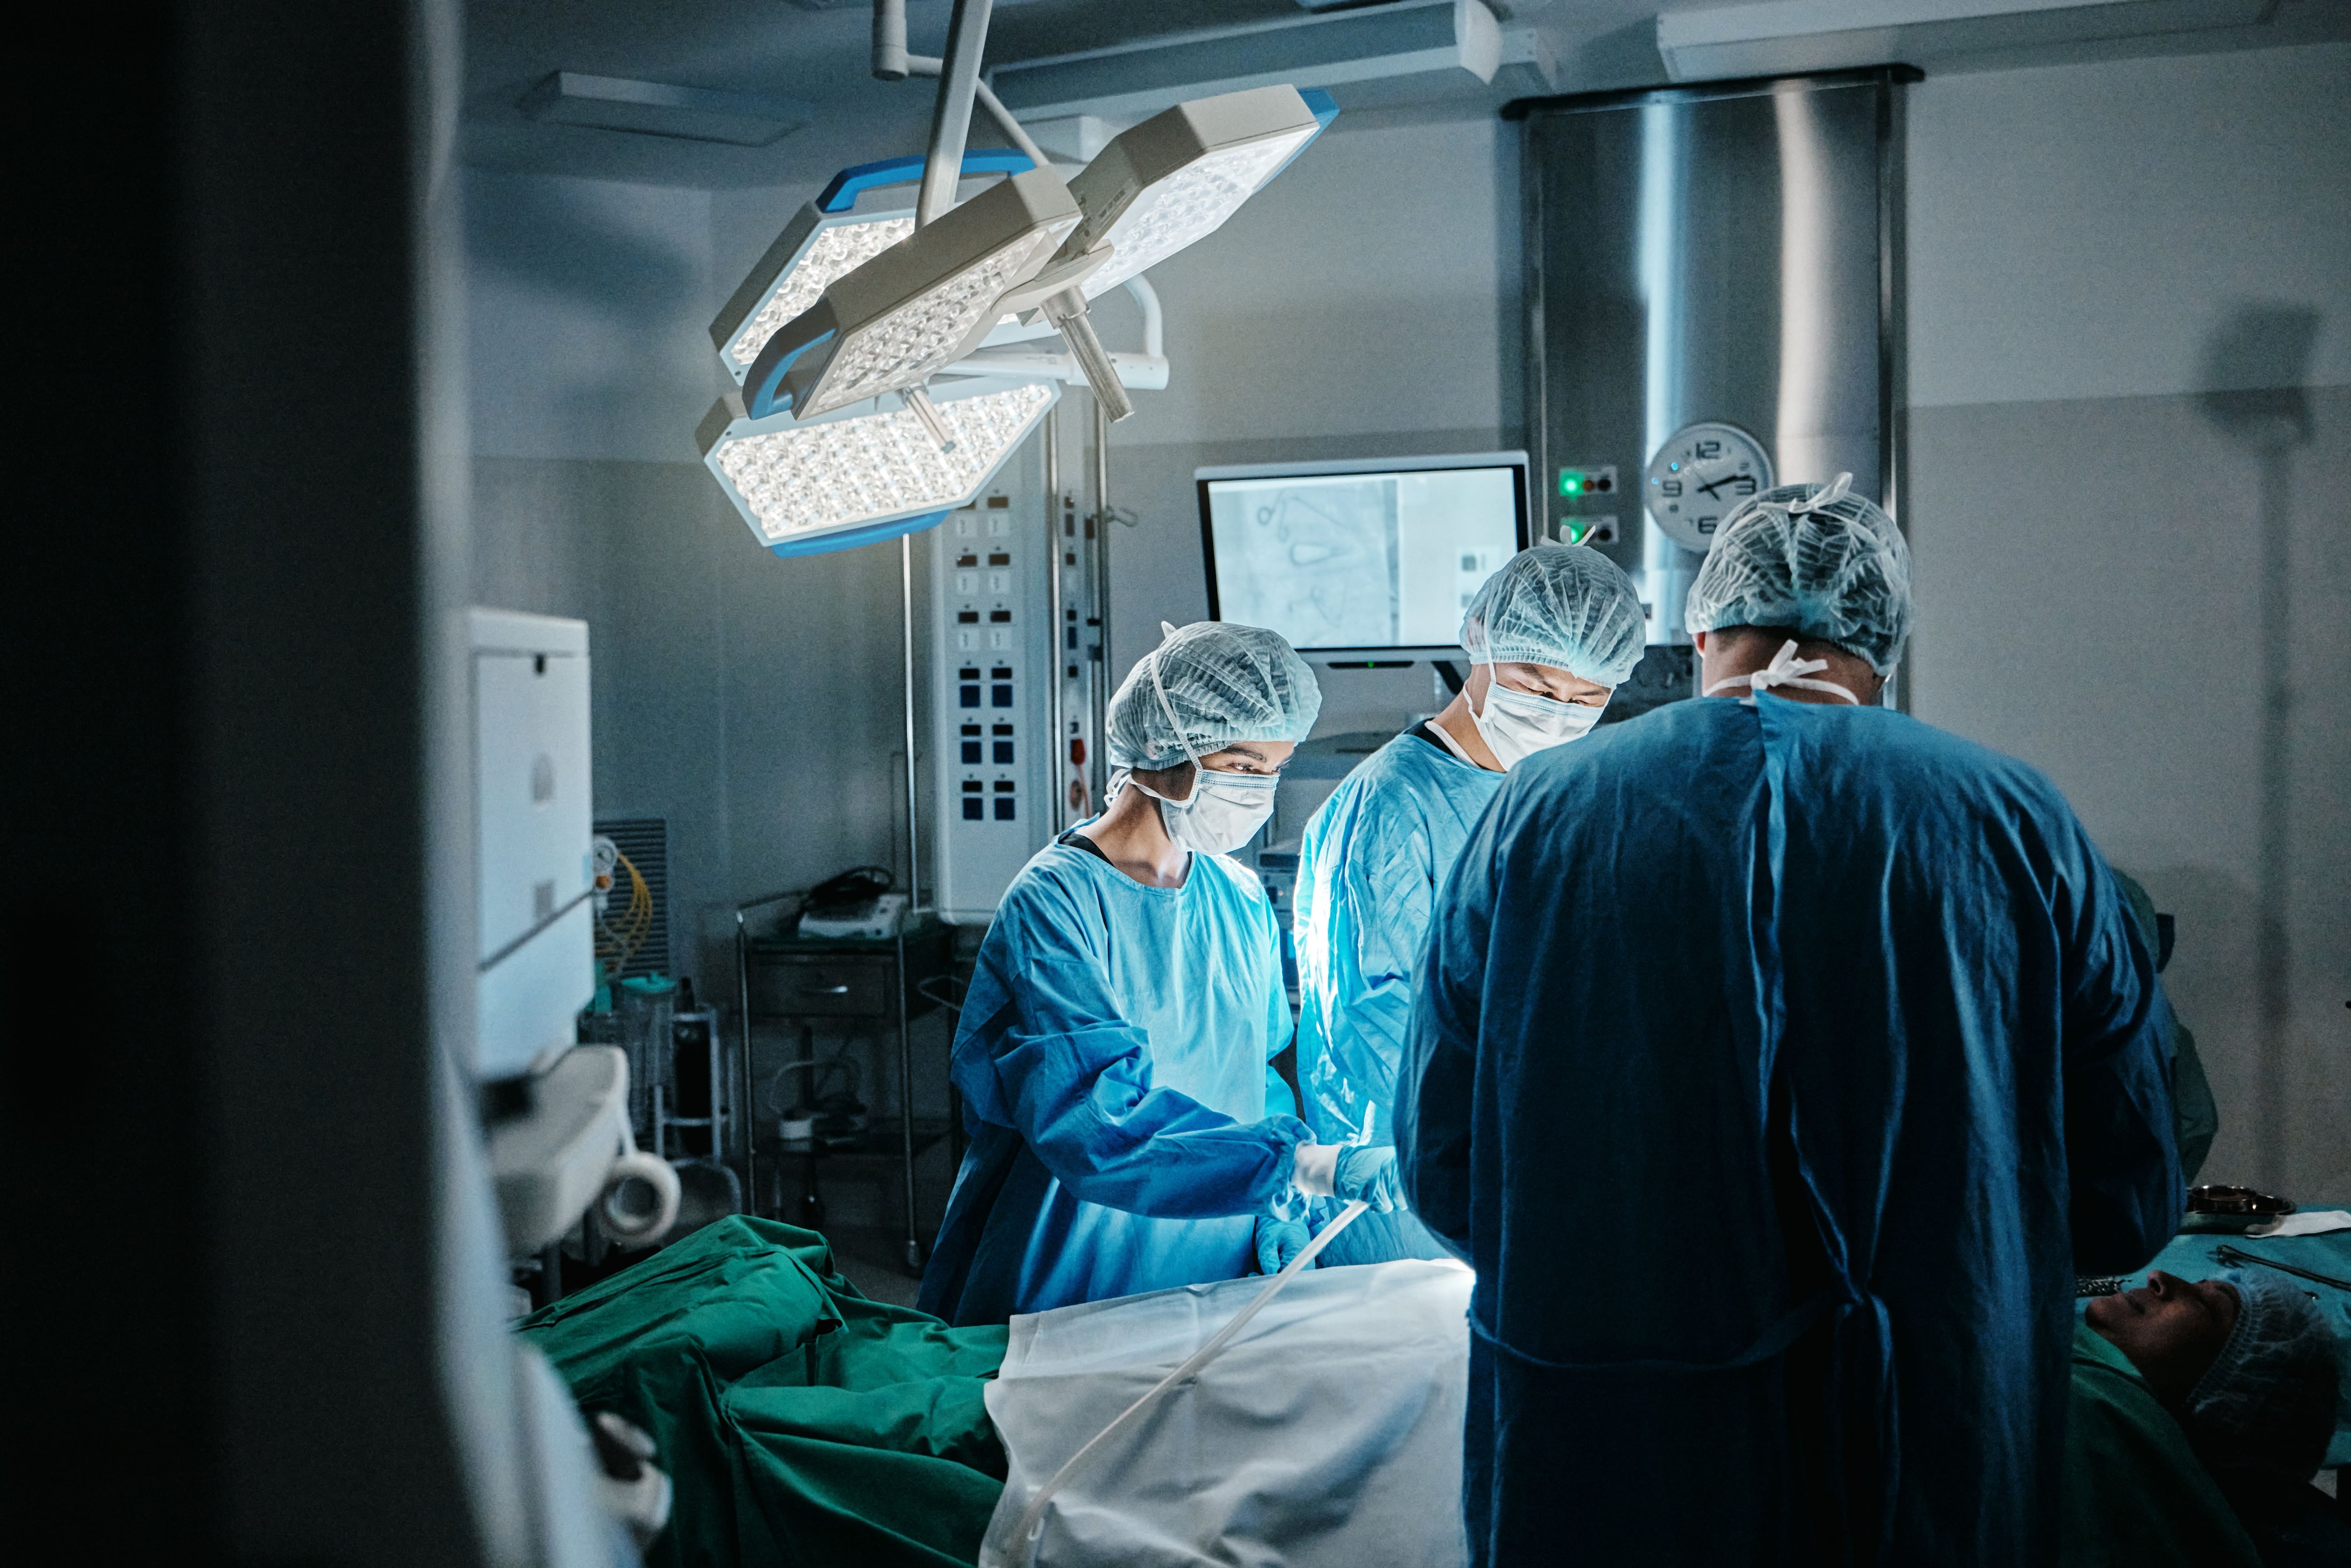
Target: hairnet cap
(1814,558)
(1225,684)
(2267,1403)
(1567,606)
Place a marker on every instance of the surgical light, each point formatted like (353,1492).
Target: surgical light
(1177,176)
(825,241)
(811,485)
(921,304)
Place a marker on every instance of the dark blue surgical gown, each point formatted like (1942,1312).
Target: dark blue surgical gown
(1113,1054)
(1778,1066)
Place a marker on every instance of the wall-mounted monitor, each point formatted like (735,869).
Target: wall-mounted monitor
(1361,559)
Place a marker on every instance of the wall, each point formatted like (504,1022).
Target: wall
(753,702)
(2125,279)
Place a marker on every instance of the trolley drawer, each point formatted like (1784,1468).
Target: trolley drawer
(822,986)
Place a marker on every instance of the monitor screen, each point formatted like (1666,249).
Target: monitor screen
(1360,556)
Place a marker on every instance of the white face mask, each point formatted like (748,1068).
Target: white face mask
(1517,724)
(1224,810)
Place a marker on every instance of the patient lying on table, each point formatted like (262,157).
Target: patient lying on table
(2199,1410)
(802,1423)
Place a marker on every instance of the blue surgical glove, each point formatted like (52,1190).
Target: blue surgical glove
(1369,1172)
(1278,1241)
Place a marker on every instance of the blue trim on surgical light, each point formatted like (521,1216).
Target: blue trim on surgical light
(1324,108)
(849,538)
(769,397)
(852,183)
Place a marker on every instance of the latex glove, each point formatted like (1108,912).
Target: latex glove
(1278,1241)
(1369,1174)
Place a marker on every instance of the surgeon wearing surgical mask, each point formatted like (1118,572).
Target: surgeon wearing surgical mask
(1549,637)
(1114,1050)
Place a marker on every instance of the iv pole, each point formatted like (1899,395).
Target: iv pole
(950,128)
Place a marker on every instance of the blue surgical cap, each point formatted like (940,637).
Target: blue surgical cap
(1567,606)
(2267,1403)
(1224,683)
(1815,559)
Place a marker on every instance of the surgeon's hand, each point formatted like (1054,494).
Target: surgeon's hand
(1278,1241)
(1369,1174)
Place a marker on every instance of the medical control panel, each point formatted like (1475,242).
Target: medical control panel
(992,659)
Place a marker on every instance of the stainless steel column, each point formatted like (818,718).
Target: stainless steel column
(1713,252)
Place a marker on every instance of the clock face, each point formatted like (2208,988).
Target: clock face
(1702,472)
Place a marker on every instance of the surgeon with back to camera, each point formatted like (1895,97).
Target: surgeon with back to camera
(1114,1050)
(1833,1037)
(1548,636)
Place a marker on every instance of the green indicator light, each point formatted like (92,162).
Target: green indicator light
(1571,481)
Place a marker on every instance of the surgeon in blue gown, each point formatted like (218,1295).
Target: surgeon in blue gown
(1548,636)
(1827,1038)
(1129,1133)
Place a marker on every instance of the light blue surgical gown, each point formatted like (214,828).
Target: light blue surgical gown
(1368,871)
(1778,1067)
(1115,1056)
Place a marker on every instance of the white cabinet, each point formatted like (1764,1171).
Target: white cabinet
(533,823)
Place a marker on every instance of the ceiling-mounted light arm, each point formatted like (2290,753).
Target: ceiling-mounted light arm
(1067,312)
(1154,329)
(951,118)
(891,61)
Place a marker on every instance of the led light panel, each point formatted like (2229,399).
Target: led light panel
(1189,204)
(1177,176)
(903,347)
(915,306)
(796,481)
(825,248)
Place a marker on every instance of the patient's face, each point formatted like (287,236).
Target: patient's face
(2170,1329)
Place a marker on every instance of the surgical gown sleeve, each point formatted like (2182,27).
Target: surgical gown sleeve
(1434,1089)
(1074,1077)
(2121,1159)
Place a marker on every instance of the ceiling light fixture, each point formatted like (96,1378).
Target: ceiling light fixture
(1177,177)
(926,301)
(827,240)
(873,472)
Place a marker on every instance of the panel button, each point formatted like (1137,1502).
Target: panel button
(1000,617)
(967,617)
(1003,812)
(971,750)
(1003,753)
(975,810)
(970,696)
(1001,696)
